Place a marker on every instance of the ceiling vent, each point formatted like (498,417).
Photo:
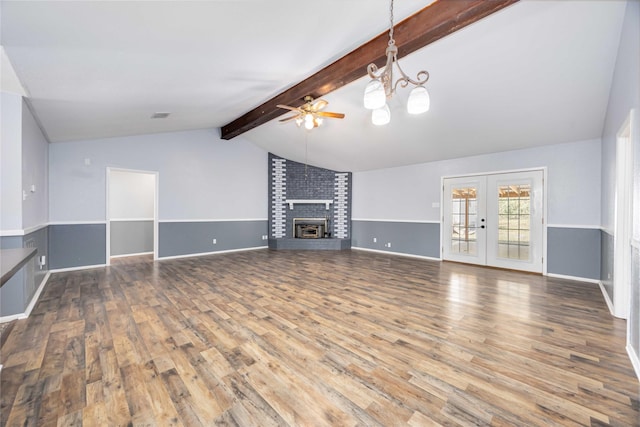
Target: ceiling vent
(160,115)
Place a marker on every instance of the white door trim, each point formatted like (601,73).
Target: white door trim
(545,193)
(155,209)
(622,220)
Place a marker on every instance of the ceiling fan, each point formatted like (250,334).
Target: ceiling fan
(309,113)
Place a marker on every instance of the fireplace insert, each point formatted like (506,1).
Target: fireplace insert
(310,228)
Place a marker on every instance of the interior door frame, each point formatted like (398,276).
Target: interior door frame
(155,209)
(622,236)
(545,193)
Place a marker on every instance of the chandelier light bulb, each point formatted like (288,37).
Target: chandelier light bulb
(374,95)
(381,116)
(418,101)
(308,122)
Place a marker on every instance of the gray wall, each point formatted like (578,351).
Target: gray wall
(12,293)
(191,238)
(77,245)
(131,237)
(571,251)
(16,294)
(413,238)
(574,252)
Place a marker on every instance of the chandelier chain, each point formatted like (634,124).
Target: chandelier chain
(391,40)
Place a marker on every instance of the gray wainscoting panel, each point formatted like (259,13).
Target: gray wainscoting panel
(413,238)
(574,252)
(131,237)
(10,242)
(77,245)
(12,298)
(606,262)
(40,240)
(185,238)
(17,293)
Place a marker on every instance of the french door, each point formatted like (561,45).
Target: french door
(495,220)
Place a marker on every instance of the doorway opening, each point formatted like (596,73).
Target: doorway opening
(132,220)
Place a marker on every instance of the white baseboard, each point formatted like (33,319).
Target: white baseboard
(606,298)
(5,319)
(130,255)
(633,356)
(32,303)
(396,253)
(83,267)
(211,253)
(576,278)
(36,296)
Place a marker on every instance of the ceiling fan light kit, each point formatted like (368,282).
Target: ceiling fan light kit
(381,87)
(309,114)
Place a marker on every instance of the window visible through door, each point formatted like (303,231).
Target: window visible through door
(495,220)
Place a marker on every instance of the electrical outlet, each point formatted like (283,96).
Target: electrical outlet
(265,237)
(388,245)
(375,240)
(215,241)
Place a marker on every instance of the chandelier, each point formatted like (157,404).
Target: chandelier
(381,87)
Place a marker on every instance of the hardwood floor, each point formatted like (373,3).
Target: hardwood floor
(313,338)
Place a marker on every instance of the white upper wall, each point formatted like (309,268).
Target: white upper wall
(408,193)
(131,195)
(10,162)
(201,177)
(35,172)
(623,96)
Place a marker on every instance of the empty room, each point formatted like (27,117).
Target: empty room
(339,213)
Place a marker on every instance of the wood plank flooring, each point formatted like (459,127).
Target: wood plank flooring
(316,338)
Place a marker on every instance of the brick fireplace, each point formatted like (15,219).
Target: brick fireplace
(309,207)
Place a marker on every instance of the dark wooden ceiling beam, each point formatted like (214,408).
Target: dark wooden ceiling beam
(432,23)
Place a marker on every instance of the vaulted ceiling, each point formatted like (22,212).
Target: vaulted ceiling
(533,73)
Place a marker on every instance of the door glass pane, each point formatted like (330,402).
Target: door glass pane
(464,216)
(514,218)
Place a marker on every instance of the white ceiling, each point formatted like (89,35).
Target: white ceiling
(535,73)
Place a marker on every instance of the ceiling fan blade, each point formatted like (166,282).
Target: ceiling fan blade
(318,105)
(286,119)
(330,115)
(286,107)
